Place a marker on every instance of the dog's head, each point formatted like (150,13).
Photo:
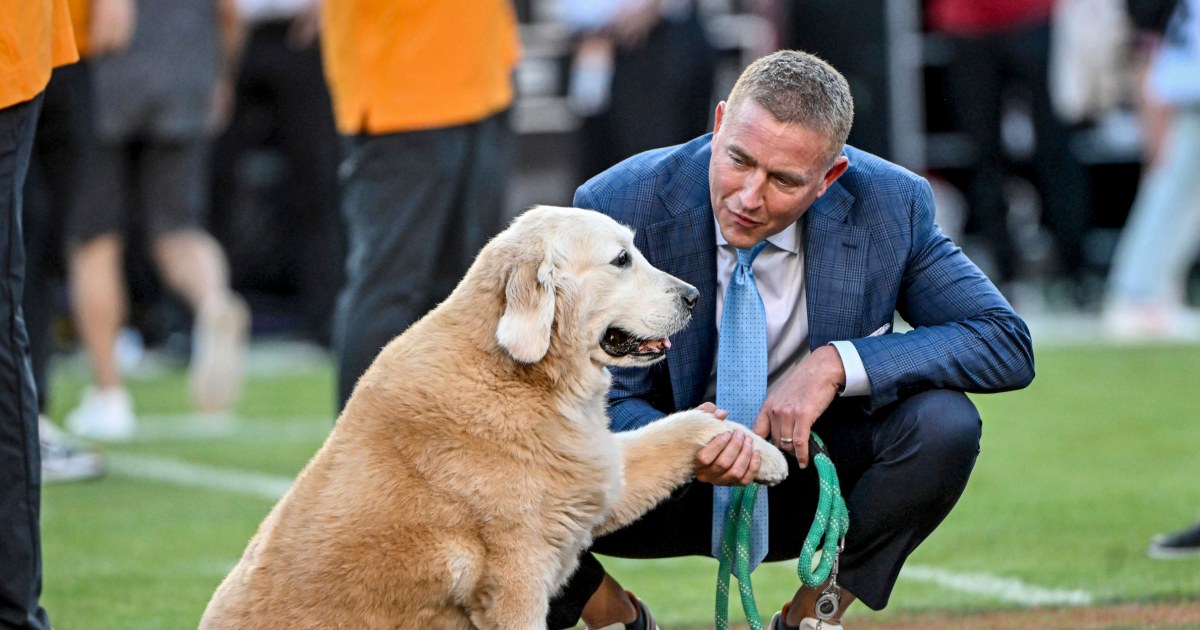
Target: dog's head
(576,275)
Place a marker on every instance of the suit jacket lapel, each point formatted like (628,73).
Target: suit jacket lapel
(685,246)
(835,269)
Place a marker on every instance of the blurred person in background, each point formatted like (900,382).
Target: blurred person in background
(641,77)
(1147,285)
(1147,20)
(421,92)
(274,185)
(60,156)
(157,103)
(1000,49)
(37,37)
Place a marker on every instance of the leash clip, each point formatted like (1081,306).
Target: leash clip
(830,599)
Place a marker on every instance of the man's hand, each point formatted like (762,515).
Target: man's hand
(728,459)
(305,28)
(634,21)
(798,399)
(111,25)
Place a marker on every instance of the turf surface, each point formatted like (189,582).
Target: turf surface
(1076,474)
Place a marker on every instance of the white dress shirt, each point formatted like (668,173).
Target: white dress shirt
(779,274)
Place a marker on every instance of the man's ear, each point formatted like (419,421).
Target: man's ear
(839,166)
(718,117)
(524,329)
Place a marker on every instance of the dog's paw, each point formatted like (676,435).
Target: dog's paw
(773,467)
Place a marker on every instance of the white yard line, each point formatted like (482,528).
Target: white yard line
(194,427)
(993,586)
(272,487)
(181,473)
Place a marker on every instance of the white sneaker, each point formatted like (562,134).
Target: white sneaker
(808,623)
(104,415)
(219,341)
(1148,321)
(64,459)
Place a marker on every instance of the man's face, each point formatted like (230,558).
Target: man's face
(764,174)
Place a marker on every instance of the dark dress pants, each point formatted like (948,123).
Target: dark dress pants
(61,152)
(20,460)
(282,110)
(901,469)
(986,70)
(661,95)
(418,206)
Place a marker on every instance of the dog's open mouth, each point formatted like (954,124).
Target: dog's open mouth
(620,343)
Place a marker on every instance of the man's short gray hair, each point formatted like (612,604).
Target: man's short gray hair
(799,88)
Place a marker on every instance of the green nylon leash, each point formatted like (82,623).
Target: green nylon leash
(829,526)
(830,522)
(736,544)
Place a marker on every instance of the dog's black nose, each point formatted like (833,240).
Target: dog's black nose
(690,297)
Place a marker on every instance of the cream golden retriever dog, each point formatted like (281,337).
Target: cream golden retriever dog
(474,461)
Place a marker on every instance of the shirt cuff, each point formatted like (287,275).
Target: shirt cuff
(857,381)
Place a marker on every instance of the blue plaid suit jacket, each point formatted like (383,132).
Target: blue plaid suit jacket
(871,249)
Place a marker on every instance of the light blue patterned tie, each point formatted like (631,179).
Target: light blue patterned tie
(742,384)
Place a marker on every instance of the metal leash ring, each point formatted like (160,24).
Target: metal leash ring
(830,599)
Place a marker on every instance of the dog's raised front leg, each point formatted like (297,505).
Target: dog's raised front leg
(659,457)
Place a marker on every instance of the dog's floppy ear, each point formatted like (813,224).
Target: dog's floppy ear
(524,329)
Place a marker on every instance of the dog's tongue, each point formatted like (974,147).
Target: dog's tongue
(655,345)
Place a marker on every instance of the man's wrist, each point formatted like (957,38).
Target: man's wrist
(834,368)
(855,381)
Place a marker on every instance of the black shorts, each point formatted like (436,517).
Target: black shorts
(160,185)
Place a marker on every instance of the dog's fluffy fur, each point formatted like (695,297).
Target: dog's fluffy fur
(474,462)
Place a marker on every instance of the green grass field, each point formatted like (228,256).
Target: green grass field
(1077,473)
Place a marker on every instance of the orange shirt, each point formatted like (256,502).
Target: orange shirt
(417,64)
(81,11)
(35,36)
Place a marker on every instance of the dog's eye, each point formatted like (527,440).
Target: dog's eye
(622,259)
